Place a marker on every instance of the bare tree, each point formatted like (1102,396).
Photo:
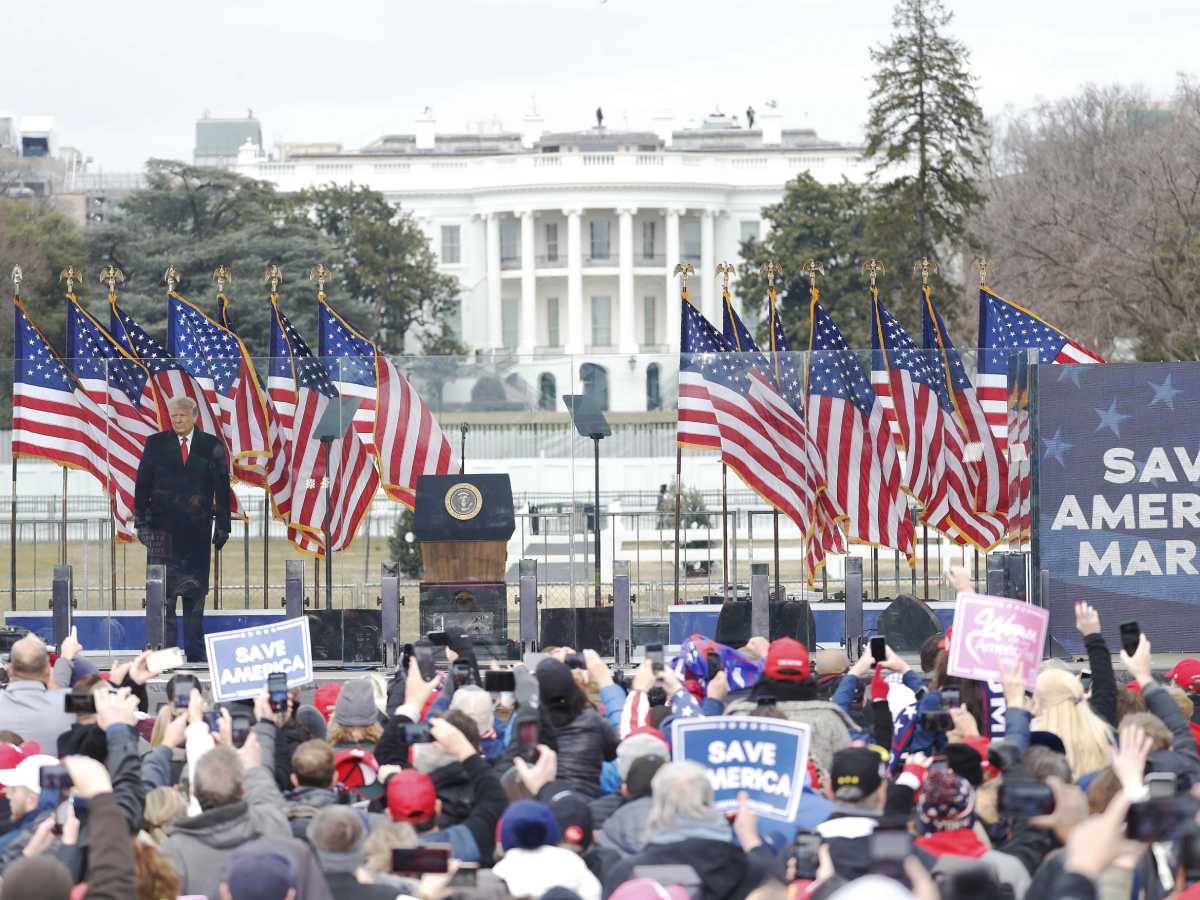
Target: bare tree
(1093,216)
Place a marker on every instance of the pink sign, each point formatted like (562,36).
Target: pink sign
(991,633)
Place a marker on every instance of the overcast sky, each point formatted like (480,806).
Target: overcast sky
(126,79)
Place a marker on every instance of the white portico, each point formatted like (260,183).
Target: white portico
(564,243)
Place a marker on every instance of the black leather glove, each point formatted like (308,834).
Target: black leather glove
(220,536)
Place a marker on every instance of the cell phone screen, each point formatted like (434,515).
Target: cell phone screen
(498,681)
(277,689)
(240,729)
(1131,634)
(184,685)
(423,651)
(421,860)
(79,704)
(878,649)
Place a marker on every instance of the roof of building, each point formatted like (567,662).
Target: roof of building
(223,137)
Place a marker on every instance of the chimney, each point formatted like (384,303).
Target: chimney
(531,129)
(426,124)
(771,122)
(664,126)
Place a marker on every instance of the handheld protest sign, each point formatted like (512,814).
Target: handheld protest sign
(990,634)
(240,661)
(766,758)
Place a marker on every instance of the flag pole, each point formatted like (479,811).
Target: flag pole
(320,274)
(812,269)
(12,522)
(273,276)
(112,276)
(770,270)
(725,270)
(70,275)
(683,270)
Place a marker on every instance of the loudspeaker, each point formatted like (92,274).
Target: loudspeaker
(789,618)
(907,623)
(583,628)
(325,634)
(362,635)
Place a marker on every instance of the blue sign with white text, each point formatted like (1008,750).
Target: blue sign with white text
(1119,497)
(766,758)
(240,661)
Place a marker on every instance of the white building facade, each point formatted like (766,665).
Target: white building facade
(565,244)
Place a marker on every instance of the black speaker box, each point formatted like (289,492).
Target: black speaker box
(789,618)
(345,635)
(907,623)
(583,628)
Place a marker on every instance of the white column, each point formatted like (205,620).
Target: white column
(495,334)
(528,326)
(627,336)
(671,295)
(707,275)
(574,341)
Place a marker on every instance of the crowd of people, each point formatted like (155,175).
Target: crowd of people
(563,783)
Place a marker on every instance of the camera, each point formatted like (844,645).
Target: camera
(1021,798)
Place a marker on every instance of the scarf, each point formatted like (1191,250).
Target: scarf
(963,842)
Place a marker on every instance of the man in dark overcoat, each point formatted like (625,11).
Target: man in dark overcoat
(181,508)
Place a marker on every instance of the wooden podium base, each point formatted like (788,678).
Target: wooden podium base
(459,562)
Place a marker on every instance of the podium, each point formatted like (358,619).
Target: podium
(463,524)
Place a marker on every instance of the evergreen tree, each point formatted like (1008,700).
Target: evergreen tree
(197,218)
(826,223)
(407,553)
(927,136)
(385,266)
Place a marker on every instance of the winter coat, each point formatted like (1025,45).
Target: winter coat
(305,802)
(604,807)
(584,744)
(454,788)
(200,846)
(530,873)
(625,830)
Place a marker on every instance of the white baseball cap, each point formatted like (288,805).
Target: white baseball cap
(26,772)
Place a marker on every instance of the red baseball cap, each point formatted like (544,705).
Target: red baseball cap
(11,755)
(356,769)
(411,797)
(1186,674)
(325,698)
(787,660)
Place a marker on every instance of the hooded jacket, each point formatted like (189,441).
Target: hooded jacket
(585,740)
(305,802)
(625,830)
(200,846)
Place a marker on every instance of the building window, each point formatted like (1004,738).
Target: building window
(510,322)
(599,232)
(553,338)
(649,320)
(594,379)
(456,319)
(648,229)
(602,321)
(451,244)
(551,242)
(510,243)
(547,392)
(689,240)
(748,230)
(653,390)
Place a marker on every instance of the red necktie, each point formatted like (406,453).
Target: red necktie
(183,449)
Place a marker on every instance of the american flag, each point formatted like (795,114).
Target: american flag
(220,363)
(985,454)
(1006,329)
(936,472)
(403,432)
(170,379)
(725,404)
(168,375)
(355,479)
(279,471)
(110,425)
(114,379)
(862,469)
